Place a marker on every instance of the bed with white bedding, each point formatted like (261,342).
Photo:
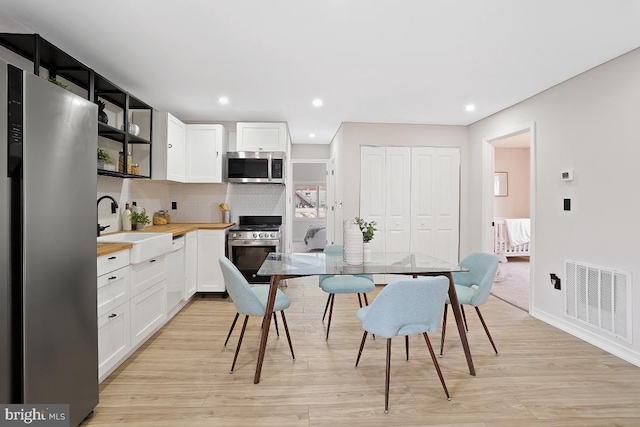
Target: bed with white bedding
(512,237)
(315,238)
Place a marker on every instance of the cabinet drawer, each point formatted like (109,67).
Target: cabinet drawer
(147,274)
(114,339)
(113,289)
(113,262)
(148,311)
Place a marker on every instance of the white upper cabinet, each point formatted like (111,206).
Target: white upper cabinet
(206,147)
(261,137)
(168,160)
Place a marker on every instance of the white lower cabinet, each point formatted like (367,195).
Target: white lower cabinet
(148,312)
(148,298)
(114,327)
(114,339)
(210,246)
(191,261)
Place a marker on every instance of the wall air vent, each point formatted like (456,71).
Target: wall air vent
(599,297)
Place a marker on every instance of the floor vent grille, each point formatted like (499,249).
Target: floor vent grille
(599,297)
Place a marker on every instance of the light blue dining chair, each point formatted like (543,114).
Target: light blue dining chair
(343,284)
(405,307)
(473,288)
(251,301)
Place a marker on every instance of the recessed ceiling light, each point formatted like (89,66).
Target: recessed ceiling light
(312,135)
(317,102)
(223,100)
(470,107)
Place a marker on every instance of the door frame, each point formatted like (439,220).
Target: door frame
(488,161)
(327,183)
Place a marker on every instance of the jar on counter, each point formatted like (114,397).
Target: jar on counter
(161,218)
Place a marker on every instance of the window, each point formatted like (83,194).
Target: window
(310,201)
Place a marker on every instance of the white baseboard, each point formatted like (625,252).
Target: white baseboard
(584,334)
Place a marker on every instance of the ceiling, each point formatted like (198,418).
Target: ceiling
(378,61)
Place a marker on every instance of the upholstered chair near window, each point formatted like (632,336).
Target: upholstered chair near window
(473,288)
(405,307)
(343,284)
(250,301)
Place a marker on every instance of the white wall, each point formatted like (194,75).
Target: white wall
(409,135)
(514,161)
(308,151)
(590,124)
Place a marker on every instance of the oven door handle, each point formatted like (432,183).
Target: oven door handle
(254,242)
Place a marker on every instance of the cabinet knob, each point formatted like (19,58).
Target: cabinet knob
(112,315)
(153,260)
(112,278)
(170,146)
(112,257)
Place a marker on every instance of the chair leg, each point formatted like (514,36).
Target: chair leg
(360,300)
(464,317)
(444,328)
(486,330)
(364,338)
(275,322)
(435,363)
(406,345)
(388,376)
(333,297)
(366,302)
(326,306)
(286,329)
(233,325)
(244,326)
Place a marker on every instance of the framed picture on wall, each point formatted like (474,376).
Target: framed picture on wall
(500,184)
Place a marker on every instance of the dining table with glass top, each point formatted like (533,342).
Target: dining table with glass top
(281,266)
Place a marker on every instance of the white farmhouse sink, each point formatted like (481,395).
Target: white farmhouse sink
(145,245)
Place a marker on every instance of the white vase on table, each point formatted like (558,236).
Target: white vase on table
(352,243)
(366,252)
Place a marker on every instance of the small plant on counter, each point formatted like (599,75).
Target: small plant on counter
(368,229)
(140,219)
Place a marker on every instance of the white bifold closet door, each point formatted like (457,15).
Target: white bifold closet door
(413,193)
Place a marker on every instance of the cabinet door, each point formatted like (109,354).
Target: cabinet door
(148,312)
(205,149)
(113,339)
(113,290)
(191,251)
(176,134)
(210,247)
(261,137)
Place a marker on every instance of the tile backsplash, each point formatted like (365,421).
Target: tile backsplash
(196,202)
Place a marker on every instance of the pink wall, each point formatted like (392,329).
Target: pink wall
(514,161)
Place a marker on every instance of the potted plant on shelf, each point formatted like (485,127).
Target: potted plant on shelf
(139,220)
(368,230)
(103,158)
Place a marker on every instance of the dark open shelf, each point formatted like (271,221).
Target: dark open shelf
(120,174)
(58,63)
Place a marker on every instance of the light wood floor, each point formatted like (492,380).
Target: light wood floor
(543,377)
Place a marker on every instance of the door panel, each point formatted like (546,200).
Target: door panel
(372,189)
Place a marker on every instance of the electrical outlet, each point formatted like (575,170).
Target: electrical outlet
(567,204)
(555,281)
(174,205)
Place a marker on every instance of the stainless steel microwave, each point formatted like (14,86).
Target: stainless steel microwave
(256,167)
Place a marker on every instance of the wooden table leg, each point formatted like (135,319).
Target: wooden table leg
(273,287)
(455,307)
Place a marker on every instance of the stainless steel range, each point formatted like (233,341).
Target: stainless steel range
(251,241)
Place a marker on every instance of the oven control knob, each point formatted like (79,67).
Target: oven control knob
(261,235)
(273,235)
(255,235)
(233,235)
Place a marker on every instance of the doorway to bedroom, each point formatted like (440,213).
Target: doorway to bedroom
(310,196)
(511,217)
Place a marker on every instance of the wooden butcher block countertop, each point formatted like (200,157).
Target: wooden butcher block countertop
(176,229)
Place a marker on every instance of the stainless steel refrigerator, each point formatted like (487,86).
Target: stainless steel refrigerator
(48,319)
